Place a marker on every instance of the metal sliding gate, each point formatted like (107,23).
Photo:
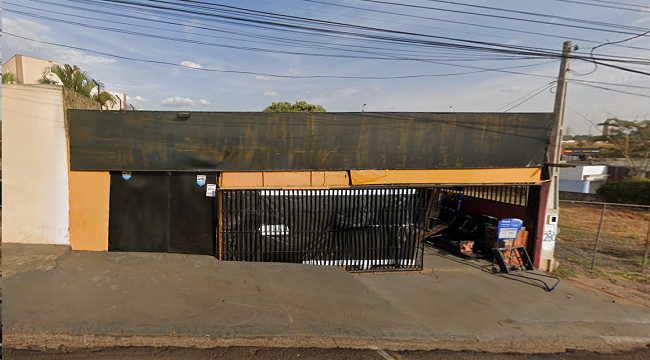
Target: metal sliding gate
(358,229)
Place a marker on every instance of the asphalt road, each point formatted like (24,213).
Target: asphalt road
(295,353)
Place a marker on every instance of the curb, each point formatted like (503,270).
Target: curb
(528,345)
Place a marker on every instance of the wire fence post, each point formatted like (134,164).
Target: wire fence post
(647,247)
(600,228)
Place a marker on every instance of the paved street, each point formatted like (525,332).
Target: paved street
(99,299)
(315,354)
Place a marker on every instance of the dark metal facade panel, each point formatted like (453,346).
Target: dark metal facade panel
(138,213)
(240,141)
(162,212)
(192,215)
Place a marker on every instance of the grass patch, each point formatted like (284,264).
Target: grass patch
(640,277)
(565,273)
(580,261)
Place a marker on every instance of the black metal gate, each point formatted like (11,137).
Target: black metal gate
(162,212)
(359,229)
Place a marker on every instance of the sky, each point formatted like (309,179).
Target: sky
(178,47)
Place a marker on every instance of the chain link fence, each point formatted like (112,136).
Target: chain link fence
(604,236)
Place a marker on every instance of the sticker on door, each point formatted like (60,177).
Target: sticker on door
(200,180)
(211,190)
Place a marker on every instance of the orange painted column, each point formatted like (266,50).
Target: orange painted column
(89,210)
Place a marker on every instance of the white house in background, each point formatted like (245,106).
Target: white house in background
(584,179)
(29,69)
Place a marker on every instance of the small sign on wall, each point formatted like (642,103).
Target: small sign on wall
(509,228)
(211,190)
(200,180)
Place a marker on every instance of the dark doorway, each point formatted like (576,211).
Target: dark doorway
(192,215)
(162,212)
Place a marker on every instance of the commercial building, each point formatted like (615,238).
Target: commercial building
(359,190)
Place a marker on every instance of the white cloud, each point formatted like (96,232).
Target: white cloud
(347,92)
(271,94)
(644,17)
(38,31)
(137,101)
(204,102)
(24,27)
(177,101)
(191,64)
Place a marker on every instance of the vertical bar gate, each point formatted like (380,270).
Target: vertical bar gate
(358,229)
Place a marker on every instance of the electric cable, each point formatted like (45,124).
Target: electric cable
(500,17)
(532,93)
(273,75)
(520,31)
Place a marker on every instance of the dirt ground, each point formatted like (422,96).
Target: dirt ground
(619,260)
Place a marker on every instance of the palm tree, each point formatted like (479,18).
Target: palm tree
(80,81)
(9,77)
(103,97)
(69,76)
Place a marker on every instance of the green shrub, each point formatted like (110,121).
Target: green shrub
(630,191)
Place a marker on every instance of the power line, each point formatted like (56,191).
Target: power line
(527,97)
(272,75)
(591,53)
(598,61)
(520,31)
(275,40)
(320,11)
(564,18)
(611,84)
(621,3)
(504,48)
(616,5)
(198,42)
(476,45)
(480,46)
(499,17)
(609,89)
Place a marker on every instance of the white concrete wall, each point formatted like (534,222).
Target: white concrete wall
(571,173)
(33,69)
(595,170)
(35,165)
(10,66)
(579,172)
(576,186)
(28,69)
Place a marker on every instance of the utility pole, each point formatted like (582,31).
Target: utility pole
(550,192)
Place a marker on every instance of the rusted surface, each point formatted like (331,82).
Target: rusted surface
(283,179)
(239,141)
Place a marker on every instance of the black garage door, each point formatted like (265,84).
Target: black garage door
(162,212)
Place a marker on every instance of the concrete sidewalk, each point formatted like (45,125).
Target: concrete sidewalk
(135,299)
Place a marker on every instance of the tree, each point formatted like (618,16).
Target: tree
(105,99)
(69,76)
(9,77)
(299,106)
(631,140)
(79,81)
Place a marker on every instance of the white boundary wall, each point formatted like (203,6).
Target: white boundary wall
(35,165)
